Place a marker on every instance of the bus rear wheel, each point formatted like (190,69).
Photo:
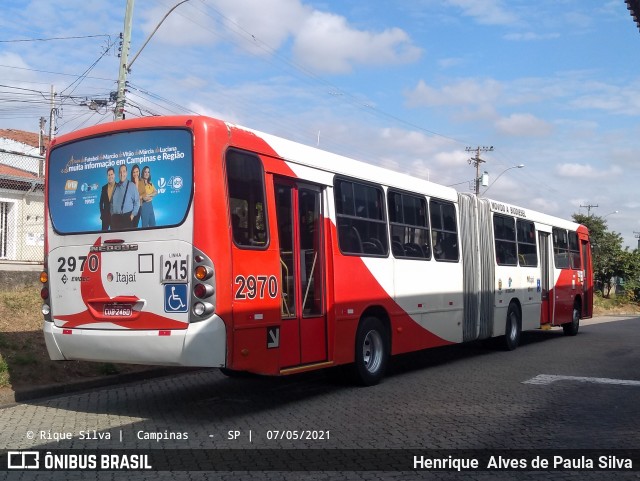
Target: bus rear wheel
(513,328)
(372,351)
(571,328)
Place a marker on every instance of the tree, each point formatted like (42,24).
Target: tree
(609,258)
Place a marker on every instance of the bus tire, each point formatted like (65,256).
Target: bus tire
(372,351)
(513,328)
(571,328)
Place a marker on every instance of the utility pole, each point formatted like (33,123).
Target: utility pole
(41,138)
(476,161)
(637,234)
(52,114)
(42,147)
(589,207)
(124,59)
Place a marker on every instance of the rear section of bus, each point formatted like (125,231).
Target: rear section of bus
(123,281)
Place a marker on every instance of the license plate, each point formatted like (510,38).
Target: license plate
(117,310)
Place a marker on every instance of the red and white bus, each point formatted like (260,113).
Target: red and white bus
(272,257)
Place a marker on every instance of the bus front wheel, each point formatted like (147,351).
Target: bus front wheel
(372,351)
(513,328)
(571,328)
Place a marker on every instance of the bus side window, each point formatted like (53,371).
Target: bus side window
(245,180)
(444,230)
(504,233)
(409,226)
(560,248)
(362,228)
(527,250)
(574,251)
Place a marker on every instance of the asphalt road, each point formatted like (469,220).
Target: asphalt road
(553,394)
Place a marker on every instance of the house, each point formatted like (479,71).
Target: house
(21,197)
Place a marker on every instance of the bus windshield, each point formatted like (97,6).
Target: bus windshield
(93,183)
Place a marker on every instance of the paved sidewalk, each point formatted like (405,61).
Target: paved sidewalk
(8,397)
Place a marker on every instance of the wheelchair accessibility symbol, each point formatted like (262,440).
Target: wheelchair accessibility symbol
(175,298)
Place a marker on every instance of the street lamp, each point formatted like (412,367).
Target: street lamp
(610,213)
(519,166)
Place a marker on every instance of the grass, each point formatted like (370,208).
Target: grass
(4,373)
(614,305)
(24,361)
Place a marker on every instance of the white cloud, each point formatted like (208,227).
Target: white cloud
(451,62)
(585,171)
(265,24)
(12,60)
(489,12)
(326,42)
(530,36)
(460,92)
(611,98)
(183,26)
(524,125)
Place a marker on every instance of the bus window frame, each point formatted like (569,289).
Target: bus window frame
(559,250)
(505,241)
(519,242)
(444,230)
(426,228)
(267,230)
(383,210)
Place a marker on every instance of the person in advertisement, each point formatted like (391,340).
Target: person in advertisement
(147,193)
(125,202)
(105,198)
(135,179)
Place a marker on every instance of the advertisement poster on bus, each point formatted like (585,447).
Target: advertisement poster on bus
(126,180)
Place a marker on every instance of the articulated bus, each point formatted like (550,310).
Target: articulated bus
(189,241)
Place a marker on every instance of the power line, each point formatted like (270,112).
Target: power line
(84,74)
(53,73)
(52,38)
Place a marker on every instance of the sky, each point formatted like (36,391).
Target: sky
(410,85)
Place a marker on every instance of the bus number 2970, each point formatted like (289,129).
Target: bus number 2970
(252,287)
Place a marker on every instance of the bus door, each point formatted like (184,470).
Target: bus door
(303,332)
(546,310)
(587,282)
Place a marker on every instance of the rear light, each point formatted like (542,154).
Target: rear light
(203,273)
(44,292)
(202,290)
(203,287)
(202,309)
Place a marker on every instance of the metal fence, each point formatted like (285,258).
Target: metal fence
(21,207)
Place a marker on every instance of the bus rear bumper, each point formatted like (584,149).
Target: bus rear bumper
(200,344)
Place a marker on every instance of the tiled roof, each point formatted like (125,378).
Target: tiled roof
(28,138)
(8,171)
